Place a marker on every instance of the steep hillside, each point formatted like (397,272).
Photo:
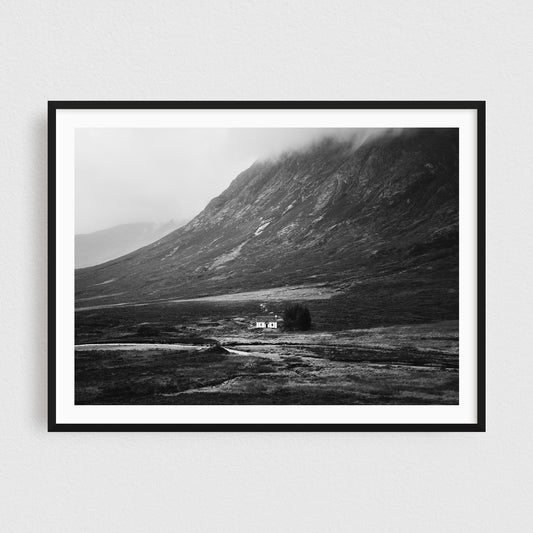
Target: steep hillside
(101,246)
(376,222)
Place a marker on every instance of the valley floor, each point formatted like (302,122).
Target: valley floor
(414,364)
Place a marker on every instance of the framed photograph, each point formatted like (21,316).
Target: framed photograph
(266,266)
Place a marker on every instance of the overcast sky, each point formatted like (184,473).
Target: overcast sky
(154,175)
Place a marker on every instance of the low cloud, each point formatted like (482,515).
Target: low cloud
(154,175)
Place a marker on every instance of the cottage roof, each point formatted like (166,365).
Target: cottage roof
(270,318)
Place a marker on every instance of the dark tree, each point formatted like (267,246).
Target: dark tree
(296,316)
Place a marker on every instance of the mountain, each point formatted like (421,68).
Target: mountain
(101,246)
(375,222)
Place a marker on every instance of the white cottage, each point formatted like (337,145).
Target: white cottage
(268,322)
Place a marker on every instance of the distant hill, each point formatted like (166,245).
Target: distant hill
(377,223)
(101,246)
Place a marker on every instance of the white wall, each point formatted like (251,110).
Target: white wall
(275,49)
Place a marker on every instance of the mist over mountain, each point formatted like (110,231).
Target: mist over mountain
(101,246)
(375,221)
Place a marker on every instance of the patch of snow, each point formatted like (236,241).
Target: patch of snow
(170,254)
(288,209)
(287,229)
(261,228)
(105,282)
(230,256)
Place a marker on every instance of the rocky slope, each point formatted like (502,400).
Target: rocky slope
(379,221)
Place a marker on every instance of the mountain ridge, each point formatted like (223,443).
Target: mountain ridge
(104,245)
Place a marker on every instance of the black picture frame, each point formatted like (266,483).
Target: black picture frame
(478,426)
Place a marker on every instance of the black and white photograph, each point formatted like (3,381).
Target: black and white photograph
(254,266)
(266,266)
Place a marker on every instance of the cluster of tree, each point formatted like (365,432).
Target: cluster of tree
(296,316)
